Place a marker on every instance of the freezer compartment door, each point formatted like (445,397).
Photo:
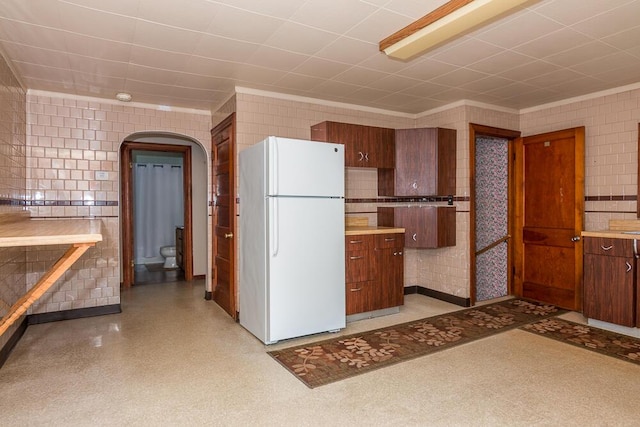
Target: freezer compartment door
(306,292)
(305,168)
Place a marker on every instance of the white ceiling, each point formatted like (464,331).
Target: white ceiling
(193,53)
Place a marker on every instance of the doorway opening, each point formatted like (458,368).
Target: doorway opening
(491,211)
(142,260)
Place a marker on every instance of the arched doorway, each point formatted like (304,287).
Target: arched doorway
(196,244)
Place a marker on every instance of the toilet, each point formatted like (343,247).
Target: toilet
(169,254)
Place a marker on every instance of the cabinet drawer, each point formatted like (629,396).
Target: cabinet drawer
(608,246)
(357,266)
(392,240)
(358,243)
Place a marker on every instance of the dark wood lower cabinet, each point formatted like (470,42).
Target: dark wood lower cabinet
(374,272)
(609,281)
(425,227)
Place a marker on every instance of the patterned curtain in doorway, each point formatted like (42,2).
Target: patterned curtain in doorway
(492,202)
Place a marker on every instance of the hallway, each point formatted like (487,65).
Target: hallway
(172,358)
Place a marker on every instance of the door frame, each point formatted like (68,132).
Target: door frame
(127,202)
(476,130)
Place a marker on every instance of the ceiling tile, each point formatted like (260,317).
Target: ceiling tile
(519,30)
(37,12)
(426,69)
(487,84)
(379,25)
(626,39)
(554,43)
(458,77)
(414,9)
(242,25)
(121,7)
(90,22)
(554,78)
(282,9)
(611,22)
(195,15)
(300,38)
(159,36)
(321,68)
(500,62)
(568,12)
(97,48)
(100,67)
(394,83)
(276,59)
(529,70)
(466,52)
(151,75)
(606,63)
(298,82)
(336,16)
(32,35)
(25,53)
(359,76)
(210,67)
(222,48)
(349,51)
(580,54)
(157,58)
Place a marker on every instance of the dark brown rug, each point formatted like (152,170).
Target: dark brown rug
(342,357)
(584,336)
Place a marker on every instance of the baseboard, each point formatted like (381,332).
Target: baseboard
(208,295)
(5,351)
(34,319)
(442,296)
(200,277)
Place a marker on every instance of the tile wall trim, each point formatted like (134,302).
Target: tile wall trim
(442,296)
(408,199)
(618,198)
(71,203)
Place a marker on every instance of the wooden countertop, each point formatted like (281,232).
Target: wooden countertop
(354,231)
(34,232)
(612,234)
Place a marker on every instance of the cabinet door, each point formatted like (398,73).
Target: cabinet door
(380,147)
(425,227)
(389,270)
(608,288)
(425,164)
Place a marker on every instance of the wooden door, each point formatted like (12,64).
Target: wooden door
(549,174)
(223,147)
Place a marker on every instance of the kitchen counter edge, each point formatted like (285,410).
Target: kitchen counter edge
(612,234)
(354,231)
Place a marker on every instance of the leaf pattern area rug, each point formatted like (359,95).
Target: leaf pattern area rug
(331,360)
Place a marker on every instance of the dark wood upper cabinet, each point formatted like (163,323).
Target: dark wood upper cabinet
(365,146)
(425,164)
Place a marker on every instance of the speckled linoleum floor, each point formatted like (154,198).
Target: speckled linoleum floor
(172,358)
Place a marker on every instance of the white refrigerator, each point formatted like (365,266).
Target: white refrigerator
(292,277)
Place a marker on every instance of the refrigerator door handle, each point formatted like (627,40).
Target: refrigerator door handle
(275,227)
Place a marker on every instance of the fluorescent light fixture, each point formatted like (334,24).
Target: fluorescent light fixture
(449,21)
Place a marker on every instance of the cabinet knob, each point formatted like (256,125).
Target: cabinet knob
(228,235)
(366,157)
(361,154)
(628,266)
(606,248)
(355,290)
(414,185)
(415,237)
(575,239)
